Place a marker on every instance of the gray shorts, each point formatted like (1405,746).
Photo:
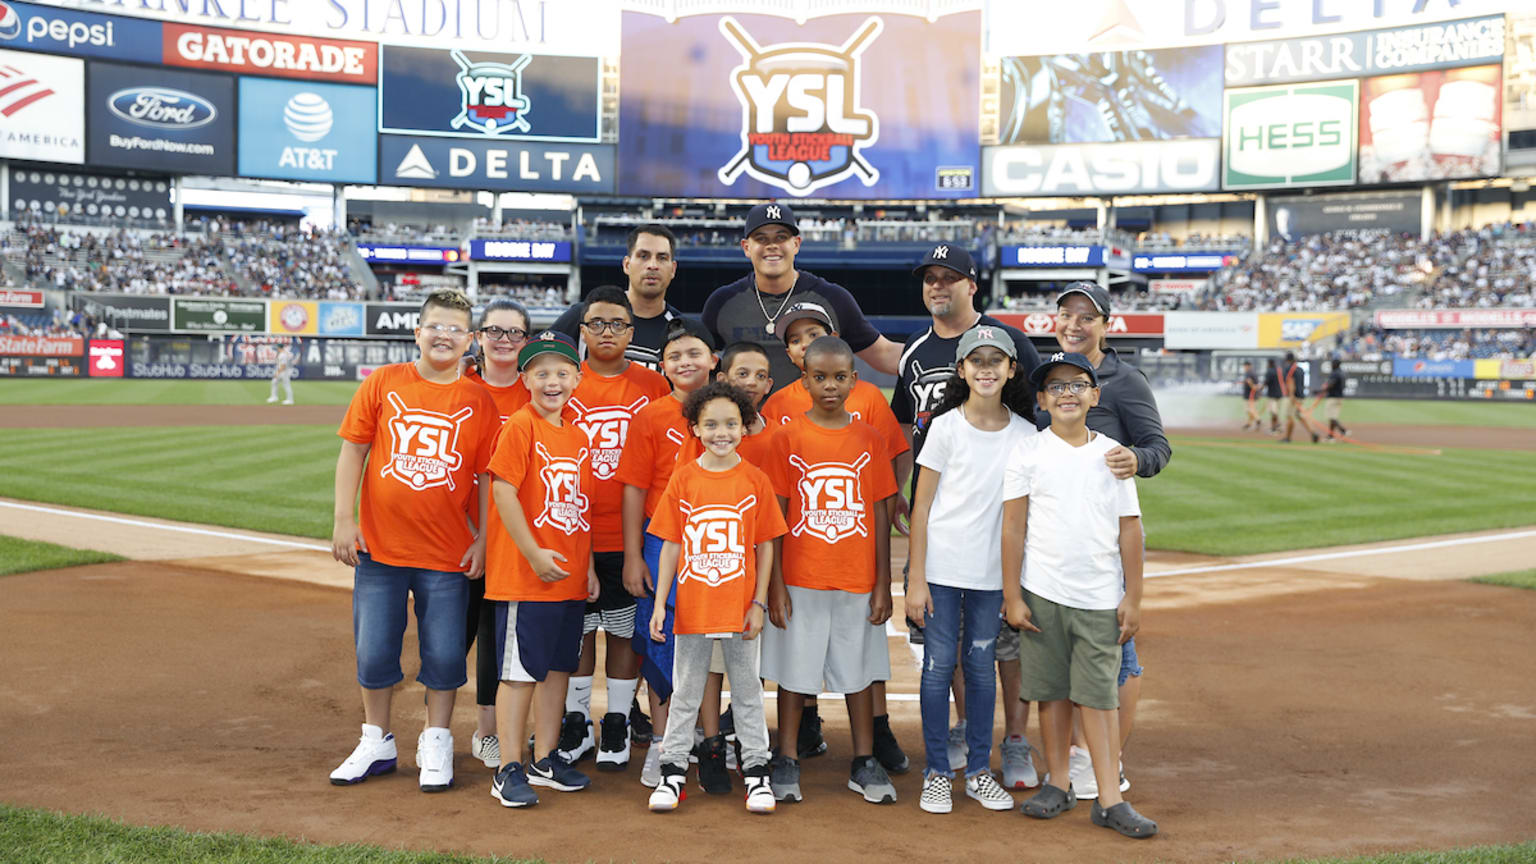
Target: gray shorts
(829,641)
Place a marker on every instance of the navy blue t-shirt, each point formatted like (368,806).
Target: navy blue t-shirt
(645,346)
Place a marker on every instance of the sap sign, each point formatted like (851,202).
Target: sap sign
(1092,169)
(408,254)
(519,250)
(1053,256)
(524,166)
(160,119)
(83,34)
(1180,263)
(1291,135)
(307,130)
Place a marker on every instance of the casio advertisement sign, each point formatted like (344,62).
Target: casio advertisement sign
(160,119)
(1126,167)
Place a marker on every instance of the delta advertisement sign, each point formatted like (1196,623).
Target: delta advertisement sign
(1132,324)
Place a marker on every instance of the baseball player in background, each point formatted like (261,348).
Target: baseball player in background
(283,372)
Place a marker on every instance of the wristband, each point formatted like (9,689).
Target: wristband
(759,604)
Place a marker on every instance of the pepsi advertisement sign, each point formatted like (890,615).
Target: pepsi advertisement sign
(307,130)
(520,250)
(514,166)
(160,120)
(33,27)
(474,94)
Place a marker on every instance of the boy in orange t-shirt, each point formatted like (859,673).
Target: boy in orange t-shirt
(831,591)
(718,518)
(612,391)
(539,569)
(649,457)
(426,433)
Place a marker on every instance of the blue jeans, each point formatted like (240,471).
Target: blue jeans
(981,611)
(378,623)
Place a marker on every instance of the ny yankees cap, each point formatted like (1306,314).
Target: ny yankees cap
(951,256)
(982,335)
(1062,358)
(813,311)
(770,214)
(548,342)
(1091,290)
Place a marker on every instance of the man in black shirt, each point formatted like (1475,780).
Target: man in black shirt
(1272,396)
(748,309)
(1333,392)
(1250,390)
(650,264)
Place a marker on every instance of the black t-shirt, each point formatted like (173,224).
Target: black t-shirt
(1272,383)
(1296,379)
(644,348)
(734,313)
(927,361)
(1336,384)
(1250,383)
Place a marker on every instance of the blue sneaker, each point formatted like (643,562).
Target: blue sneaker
(510,787)
(553,771)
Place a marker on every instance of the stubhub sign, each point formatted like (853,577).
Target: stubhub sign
(33,27)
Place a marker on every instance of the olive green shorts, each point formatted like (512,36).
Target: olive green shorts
(1076,655)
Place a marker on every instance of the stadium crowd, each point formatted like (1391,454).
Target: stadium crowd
(1374,344)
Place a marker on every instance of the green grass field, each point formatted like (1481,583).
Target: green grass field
(1519,579)
(25,556)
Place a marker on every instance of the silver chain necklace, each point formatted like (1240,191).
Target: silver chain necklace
(758,293)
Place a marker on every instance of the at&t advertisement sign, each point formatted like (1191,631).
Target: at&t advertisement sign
(306,130)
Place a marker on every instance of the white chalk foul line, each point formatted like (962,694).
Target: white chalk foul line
(1351,553)
(183,529)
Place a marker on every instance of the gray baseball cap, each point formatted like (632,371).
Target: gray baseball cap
(1097,295)
(985,334)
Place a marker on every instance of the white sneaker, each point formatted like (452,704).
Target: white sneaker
(486,748)
(957,749)
(1083,782)
(759,790)
(272,400)
(287,401)
(650,770)
(937,796)
(983,787)
(1018,765)
(375,754)
(434,756)
(669,792)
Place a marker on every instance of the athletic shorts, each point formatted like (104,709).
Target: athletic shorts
(655,657)
(829,641)
(1076,655)
(537,637)
(614,609)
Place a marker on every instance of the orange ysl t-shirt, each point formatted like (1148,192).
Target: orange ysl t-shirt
(656,435)
(604,407)
(833,479)
(551,466)
(718,518)
(427,442)
(753,448)
(866,403)
(509,398)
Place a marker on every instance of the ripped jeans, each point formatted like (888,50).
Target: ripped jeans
(982,611)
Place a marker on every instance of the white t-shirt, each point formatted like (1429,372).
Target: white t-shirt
(1072,545)
(965,523)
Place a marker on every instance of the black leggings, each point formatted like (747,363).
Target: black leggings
(479,621)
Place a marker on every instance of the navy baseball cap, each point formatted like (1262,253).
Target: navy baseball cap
(770,214)
(548,342)
(1096,294)
(1062,358)
(951,256)
(813,311)
(679,328)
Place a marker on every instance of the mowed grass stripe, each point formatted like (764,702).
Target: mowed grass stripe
(26,556)
(157,392)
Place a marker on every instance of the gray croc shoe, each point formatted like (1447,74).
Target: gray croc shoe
(1123,818)
(1049,802)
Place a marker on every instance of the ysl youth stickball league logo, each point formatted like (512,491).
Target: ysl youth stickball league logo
(565,508)
(491,99)
(831,501)
(424,446)
(713,551)
(802,126)
(607,429)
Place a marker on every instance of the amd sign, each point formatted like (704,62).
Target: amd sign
(1092,169)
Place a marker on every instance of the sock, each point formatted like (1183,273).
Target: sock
(882,723)
(578,696)
(621,691)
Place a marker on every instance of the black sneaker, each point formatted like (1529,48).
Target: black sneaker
(887,751)
(613,743)
(914,632)
(712,774)
(810,742)
(727,723)
(575,742)
(640,730)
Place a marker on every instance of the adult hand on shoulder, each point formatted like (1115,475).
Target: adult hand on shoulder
(637,576)
(346,541)
(1122,462)
(779,606)
(1017,613)
(473,561)
(543,564)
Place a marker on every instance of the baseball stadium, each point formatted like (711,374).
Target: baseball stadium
(989,430)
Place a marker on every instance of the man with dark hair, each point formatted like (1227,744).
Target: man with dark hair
(650,264)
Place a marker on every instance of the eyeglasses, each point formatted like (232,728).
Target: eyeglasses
(514,334)
(614,327)
(1061,388)
(453,330)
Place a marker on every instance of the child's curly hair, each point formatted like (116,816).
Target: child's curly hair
(694,404)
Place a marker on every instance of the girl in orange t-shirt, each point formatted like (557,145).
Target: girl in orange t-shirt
(718,518)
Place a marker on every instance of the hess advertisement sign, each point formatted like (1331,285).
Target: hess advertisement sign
(1290,135)
(306,130)
(160,119)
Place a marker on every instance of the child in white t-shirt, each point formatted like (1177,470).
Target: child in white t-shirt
(1077,532)
(956,575)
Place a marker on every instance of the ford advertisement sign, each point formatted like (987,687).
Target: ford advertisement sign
(35,27)
(160,119)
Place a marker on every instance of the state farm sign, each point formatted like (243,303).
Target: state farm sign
(28,299)
(271,54)
(42,346)
(1044,323)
